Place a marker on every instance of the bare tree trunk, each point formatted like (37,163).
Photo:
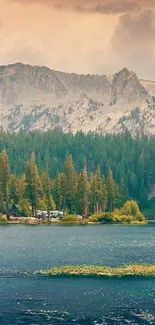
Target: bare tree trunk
(97,207)
(7,210)
(32,211)
(48,212)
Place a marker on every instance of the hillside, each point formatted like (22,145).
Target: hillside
(33,97)
(132,160)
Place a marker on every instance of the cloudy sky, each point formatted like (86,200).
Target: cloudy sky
(83,36)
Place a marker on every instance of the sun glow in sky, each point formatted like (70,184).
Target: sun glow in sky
(80,36)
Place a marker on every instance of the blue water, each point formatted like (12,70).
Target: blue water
(36,300)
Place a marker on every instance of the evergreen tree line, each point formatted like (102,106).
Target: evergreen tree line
(132,160)
(69,191)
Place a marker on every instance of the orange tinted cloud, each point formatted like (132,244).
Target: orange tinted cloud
(61,40)
(95,6)
(134,41)
(48,33)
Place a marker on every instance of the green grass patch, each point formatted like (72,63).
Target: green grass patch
(71,219)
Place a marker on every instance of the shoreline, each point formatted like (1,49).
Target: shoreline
(59,223)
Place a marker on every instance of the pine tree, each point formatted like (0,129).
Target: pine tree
(46,160)
(101,192)
(5,180)
(133,185)
(131,159)
(20,187)
(17,188)
(33,184)
(82,193)
(13,189)
(47,187)
(111,191)
(103,195)
(92,193)
(57,191)
(20,194)
(63,186)
(71,184)
(98,192)
(122,194)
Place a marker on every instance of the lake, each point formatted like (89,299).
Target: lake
(37,300)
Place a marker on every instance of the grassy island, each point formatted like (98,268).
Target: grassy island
(102,271)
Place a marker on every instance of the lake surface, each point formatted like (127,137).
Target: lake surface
(33,300)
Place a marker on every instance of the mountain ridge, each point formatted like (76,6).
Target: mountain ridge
(35,97)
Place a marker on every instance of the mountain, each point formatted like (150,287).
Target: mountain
(33,97)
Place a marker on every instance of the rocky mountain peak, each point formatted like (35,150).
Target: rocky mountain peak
(122,73)
(126,88)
